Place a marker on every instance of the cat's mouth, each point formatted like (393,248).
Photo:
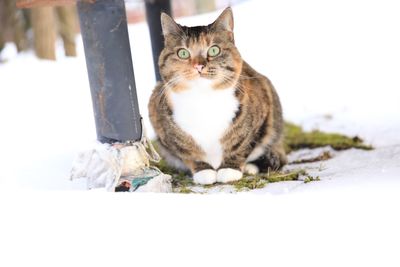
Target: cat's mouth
(207,75)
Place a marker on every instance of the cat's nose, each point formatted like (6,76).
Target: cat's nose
(198,67)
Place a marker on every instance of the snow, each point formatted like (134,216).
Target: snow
(336,67)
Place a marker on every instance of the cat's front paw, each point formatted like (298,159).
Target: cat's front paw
(205,177)
(251,169)
(226,175)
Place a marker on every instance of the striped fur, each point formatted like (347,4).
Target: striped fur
(254,134)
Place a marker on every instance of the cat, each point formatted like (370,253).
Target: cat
(213,114)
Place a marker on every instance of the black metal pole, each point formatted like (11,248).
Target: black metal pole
(109,64)
(153,12)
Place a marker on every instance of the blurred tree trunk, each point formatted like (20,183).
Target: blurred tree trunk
(67,27)
(2,24)
(12,25)
(19,28)
(46,23)
(204,6)
(2,42)
(44,30)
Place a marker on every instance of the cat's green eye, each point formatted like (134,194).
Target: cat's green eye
(213,51)
(183,53)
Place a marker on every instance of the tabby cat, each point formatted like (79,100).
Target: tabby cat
(213,114)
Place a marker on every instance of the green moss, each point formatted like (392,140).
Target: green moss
(310,178)
(284,176)
(296,138)
(249,182)
(183,183)
(184,190)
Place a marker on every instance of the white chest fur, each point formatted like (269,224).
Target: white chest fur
(205,114)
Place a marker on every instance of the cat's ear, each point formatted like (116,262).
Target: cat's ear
(225,21)
(169,26)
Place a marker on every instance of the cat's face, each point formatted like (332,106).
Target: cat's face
(202,52)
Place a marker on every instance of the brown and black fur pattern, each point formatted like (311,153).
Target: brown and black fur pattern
(257,124)
(256,131)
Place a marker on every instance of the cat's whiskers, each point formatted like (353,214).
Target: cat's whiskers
(244,77)
(208,75)
(240,88)
(226,79)
(166,85)
(169,85)
(213,110)
(230,79)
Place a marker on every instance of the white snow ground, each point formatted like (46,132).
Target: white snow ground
(336,67)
